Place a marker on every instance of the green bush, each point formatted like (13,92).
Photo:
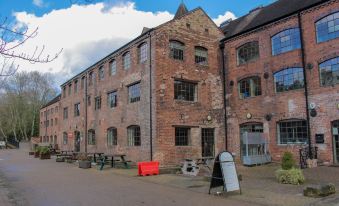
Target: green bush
(292,176)
(44,150)
(287,161)
(37,149)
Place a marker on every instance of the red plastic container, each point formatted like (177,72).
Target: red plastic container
(148,168)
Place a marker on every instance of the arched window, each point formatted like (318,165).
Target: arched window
(248,52)
(329,72)
(133,134)
(65,138)
(55,140)
(289,79)
(101,72)
(201,55)
(285,41)
(112,136)
(142,52)
(113,67)
(126,60)
(249,87)
(293,131)
(328,27)
(177,50)
(91,137)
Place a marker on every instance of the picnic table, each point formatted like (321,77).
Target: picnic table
(113,159)
(95,154)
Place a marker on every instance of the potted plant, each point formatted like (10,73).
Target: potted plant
(37,152)
(45,153)
(289,174)
(84,161)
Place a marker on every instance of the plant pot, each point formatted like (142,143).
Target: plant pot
(36,154)
(45,156)
(84,164)
(31,153)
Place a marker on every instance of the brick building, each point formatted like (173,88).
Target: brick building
(268,55)
(167,94)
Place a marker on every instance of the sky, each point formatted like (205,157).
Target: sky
(88,30)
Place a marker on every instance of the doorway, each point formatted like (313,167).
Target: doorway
(207,142)
(77,141)
(335,133)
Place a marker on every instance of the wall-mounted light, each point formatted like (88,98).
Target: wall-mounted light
(248,115)
(268,117)
(309,66)
(231,83)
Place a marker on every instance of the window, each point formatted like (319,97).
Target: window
(52,110)
(143,53)
(133,133)
(75,86)
(91,137)
(56,121)
(56,109)
(65,113)
(285,41)
(186,91)
(328,27)
(249,87)
(69,89)
(113,67)
(97,103)
(65,138)
(90,79)
(248,52)
(182,136)
(292,132)
(289,79)
(177,50)
(329,72)
(112,137)
(77,110)
(112,99)
(64,91)
(52,122)
(88,100)
(126,60)
(134,93)
(201,55)
(82,82)
(101,73)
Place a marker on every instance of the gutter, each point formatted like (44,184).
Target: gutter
(222,47)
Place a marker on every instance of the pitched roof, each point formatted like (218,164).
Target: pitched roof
(265,15)
(182,10)
(55,100)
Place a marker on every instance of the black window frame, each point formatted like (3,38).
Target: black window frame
(198,57)
(111,71)
(182,136)
(251,50)
(143,52)
(285,41)
(112,102)
(185,90)
(91,137)
(101,72)
(77,109)
(324,26)
(292,129)
(134,92)
(97,103)
(65,113)
(327,66)
(126,60)
(133,136)
(250,82)
(285,75)
(177,50)
(65,138)
(113,139)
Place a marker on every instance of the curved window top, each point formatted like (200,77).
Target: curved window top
(329,72)
(289,79)
(113,67)
(142,52)
(285,41)
(328,27)
(126,60)
(249,87)
(248,52)
(201,55)
(177,50)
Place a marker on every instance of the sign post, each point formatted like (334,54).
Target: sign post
(225,173)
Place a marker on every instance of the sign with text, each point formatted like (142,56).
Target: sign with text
(2,143)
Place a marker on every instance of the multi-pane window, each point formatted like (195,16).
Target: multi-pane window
(177,50)
(90,78)
(289,79)
(69,89)
(65,112)
(82,82)
(285,41)
(77,110)
(248,52)
(143,53)
(186,91)
(56,121)
(182,136)
(134,93)
(126,60)
(112,99)
(88,100)
(65,138)
(133,134)
(292,132)
(52,122)
(249,87)
(329,72)
(201,55)
(97,103)
(101,73)
(328,27)
(113,67)
(91,137)
(64,91)
(112,136)
(75,86)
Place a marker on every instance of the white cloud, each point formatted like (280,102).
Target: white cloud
(85,32)
(38,3)
(221,18)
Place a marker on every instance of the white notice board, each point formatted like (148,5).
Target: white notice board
(229,172)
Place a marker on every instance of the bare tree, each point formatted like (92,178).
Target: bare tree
(12,38)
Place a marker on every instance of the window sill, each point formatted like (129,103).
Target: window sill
(249,98)
(293,144)
(293,90)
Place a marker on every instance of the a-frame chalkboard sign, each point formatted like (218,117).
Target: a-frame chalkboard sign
(225,173)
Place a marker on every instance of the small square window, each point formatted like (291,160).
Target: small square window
(182,136)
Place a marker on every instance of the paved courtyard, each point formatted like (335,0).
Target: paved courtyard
(25,180)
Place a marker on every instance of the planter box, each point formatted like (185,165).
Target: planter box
(45,156)
(31,153)
(36,154)
(85,164)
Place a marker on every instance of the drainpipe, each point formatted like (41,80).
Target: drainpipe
(303,58)
(222,47)
(86,97)
(46,123)
(150,96)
